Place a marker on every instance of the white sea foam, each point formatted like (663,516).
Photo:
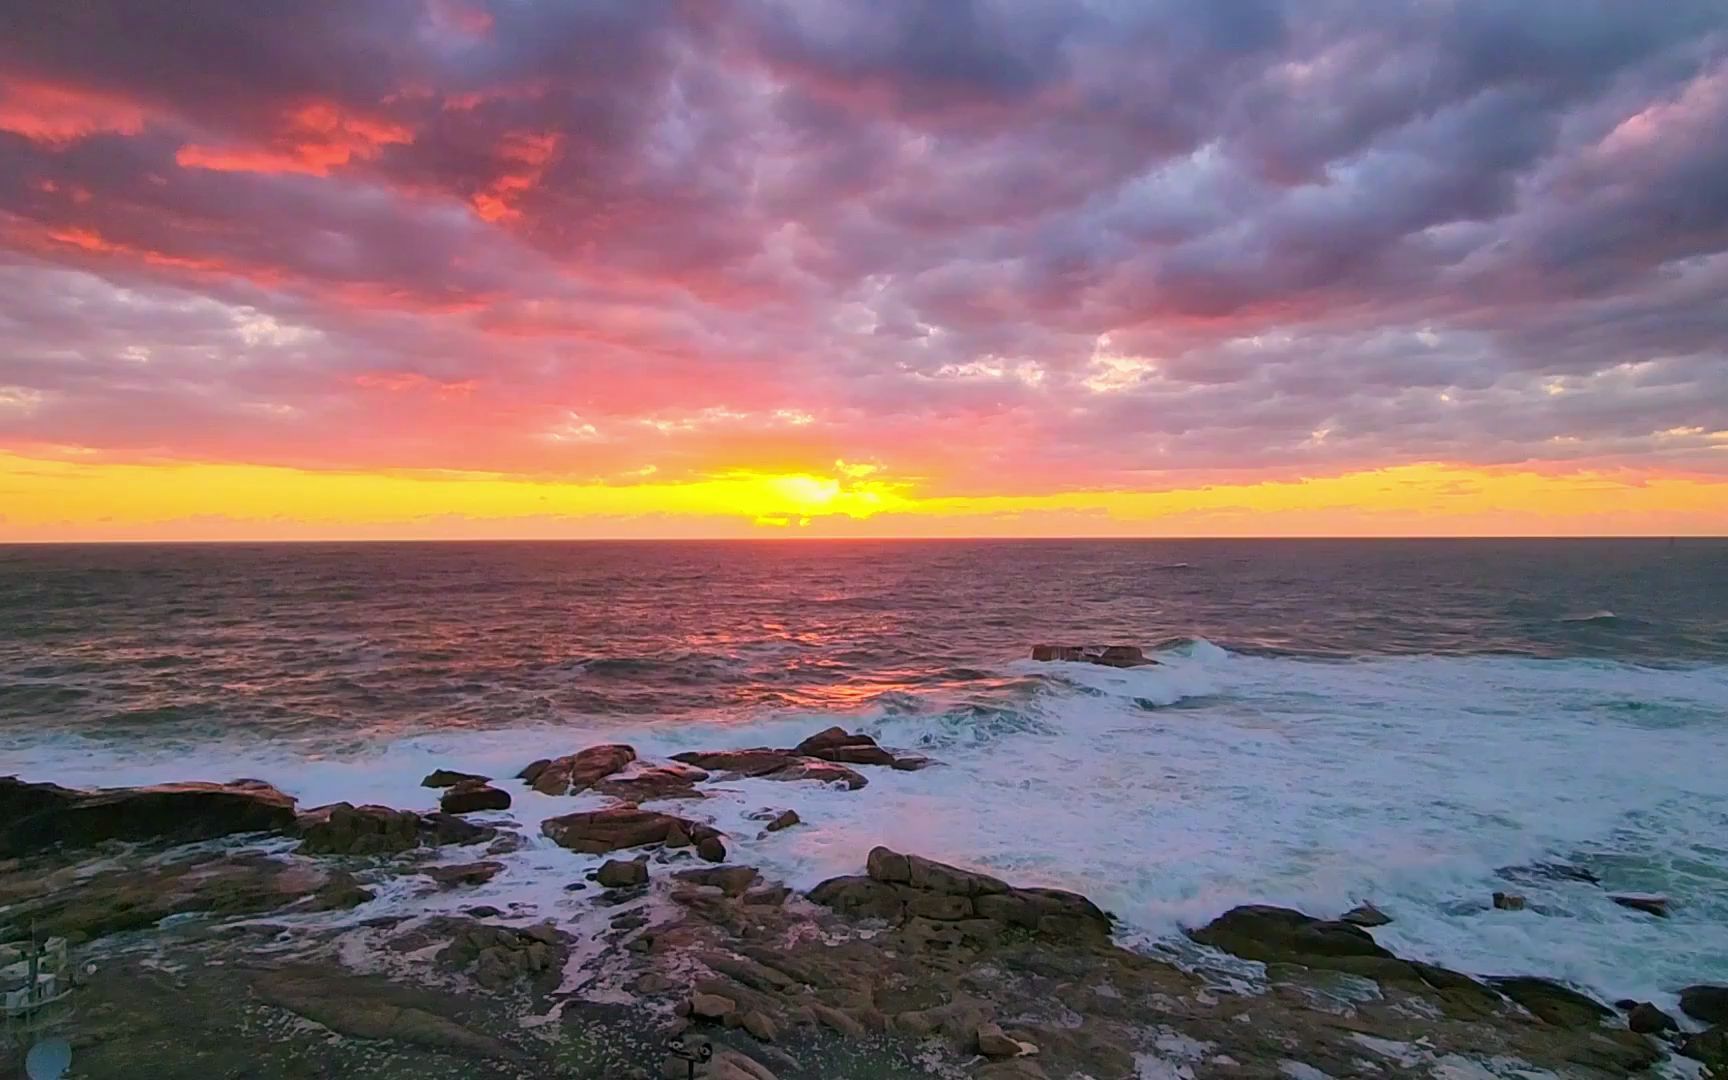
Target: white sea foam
(1172,793)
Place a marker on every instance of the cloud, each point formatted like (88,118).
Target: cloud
(996,247)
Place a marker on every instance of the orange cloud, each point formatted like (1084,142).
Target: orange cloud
(315,138)
(526,155)
(60,115)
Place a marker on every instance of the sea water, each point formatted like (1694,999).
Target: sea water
(1415,724)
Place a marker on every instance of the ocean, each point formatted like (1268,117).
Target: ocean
(1330,721)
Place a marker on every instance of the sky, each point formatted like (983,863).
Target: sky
(636,268)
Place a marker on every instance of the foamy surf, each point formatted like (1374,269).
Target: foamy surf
(1172,793)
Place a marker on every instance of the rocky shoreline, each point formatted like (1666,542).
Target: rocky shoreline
(232,934)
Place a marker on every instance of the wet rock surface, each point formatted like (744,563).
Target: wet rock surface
(227,960)
(38,817)
(576,773)
(1118,656)
(468,796)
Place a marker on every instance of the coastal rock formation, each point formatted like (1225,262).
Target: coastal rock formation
(36,817)
(1365,915)
(1117,656)
(596,832)
(497,956)
(915,892)
(442,778)
(823,757)
(475,873)
(577,772)
(1649,905)
(1710,1047)
(472,795)
(367,1009)
(674,781)
(1552,1003)
(1708,1004)
(836,744)
(621,874)
(1646,1019)
(345,829)
(1275,935)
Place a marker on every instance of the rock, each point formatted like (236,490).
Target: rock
(1551,1002)
(596,832)
(835,744)
(784,820)
(341,893)
(471,795)
(1107,655)
(712,1006)
(912,762)
(1710,1047)
(1650,905)
(442,828)
(992,1043)
(730,880)
(759,1025)
(732,1065)
(886,865)
(543,932)
(939,906)
(580,771)
(1509,902)
(755,761)
(711,848)
(767,896)
(1647,1019)
(482,911)
(474,873)
(839,1021)
(676,837)
(1365,915)
(345,829)
(860,897)
(365,1010)
(37,817)
(1014,1069)
(440,778)
(622,874)
(1280,935)
(653,983)
(823,772)
(676,781)
(1705,1003)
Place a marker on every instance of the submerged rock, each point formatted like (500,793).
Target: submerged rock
(1120,656)
(474,873)
(37,817)
(577,772)
(1650,905)
(1276,935)
(472,795)
(596,832)
(1509,902)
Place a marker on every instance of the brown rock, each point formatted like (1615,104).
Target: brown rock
(675,781)
(731,880)
(597,832)
(653,983)
(839,1021)
(442,778)
(712,1006)
(1107,655)
(992,1043)
(474,873)
(912,762)
(1552,1003)
(441,828)
(860,897)
(785,820)
(767,896)
(35,817)
(1509,902)
(345,829)
(939,906)
(1708,1004)
(1647,1019)
(755,761)
(835,744)
(940,877)
(1365,915)
(621,874)
(1280,935)
(759,1025)
(579,771)
(823,772)
(885,865)
(712,848)
(1710,1047)
(473,795)
(364,1010)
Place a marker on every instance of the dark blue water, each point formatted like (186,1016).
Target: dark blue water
(391,637)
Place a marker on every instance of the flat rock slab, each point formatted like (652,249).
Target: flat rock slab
(36,817)
(596,832)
